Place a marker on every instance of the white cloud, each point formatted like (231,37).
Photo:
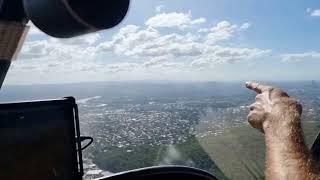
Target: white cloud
(204,30)
(131,41)
(119,67)
(136,52)
(33,29)
(34,49)
(51,53)
(174,19)
(150,44)
(85,40)
(60,50)
(157,61)
(296,57)
(245,26)
(220,55)
(146,45)
(198,21)
(315,12)
(222,31)
(159,8)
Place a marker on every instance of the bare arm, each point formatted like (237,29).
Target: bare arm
(278,116)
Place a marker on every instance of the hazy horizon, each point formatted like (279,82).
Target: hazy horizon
(162,81)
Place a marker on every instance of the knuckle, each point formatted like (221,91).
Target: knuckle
(252,107)
(276,92)
(251,117)
(269,88)
(282,93)
(293,100)
(255,107)
(293,103)
(259,97)
(252,122)
(297,104)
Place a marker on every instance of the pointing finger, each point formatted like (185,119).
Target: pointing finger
(258,88)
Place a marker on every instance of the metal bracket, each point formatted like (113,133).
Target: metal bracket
(12,36)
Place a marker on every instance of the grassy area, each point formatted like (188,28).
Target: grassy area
(189,153)
(237,154)
(240,152)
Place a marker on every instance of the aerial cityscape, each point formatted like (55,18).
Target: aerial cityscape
(141,124)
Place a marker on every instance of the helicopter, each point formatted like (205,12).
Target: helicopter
(60,154)
(61,19)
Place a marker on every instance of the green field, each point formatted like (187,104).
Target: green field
(189,153)
(237,154)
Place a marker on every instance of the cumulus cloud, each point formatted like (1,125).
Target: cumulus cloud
(119,67)
(223,30)
(60,50)
(33,29)
(204,30)
(221,55)
(149,43)
(315,12)
(245,26)
(156,61)
(159,8)
(140,49)
(295,57)
(85,40)
(174,19)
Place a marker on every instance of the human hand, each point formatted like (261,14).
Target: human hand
(273,108)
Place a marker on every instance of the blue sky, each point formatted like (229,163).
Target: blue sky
(189,40)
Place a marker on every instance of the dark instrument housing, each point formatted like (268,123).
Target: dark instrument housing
(69,18)
(65,18)
(12,10)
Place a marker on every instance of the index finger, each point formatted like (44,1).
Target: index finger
(258,88)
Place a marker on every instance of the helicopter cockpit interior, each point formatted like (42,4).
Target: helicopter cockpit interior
(41,139)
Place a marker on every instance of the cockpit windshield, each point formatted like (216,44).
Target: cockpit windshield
(166,86)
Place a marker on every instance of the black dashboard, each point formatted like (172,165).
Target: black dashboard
(162,173)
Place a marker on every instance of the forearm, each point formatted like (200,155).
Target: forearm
(278,115)
(287,156)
